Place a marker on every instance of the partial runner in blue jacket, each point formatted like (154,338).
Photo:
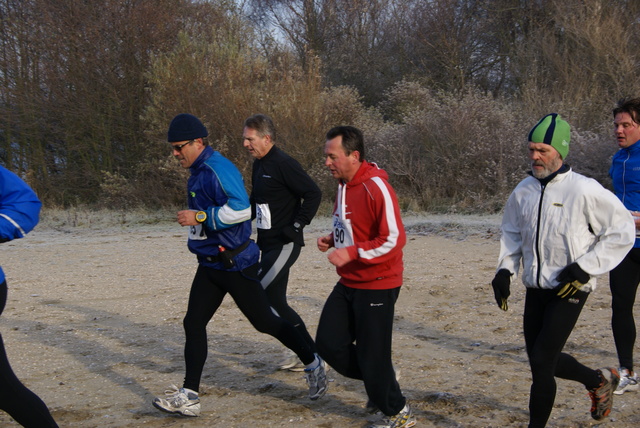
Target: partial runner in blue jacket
(219,221)
(624,279)
(19,211)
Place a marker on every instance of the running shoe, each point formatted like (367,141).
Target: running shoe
(291,362)
(404,419)
(628,382)
(179,400)
(602,396)
(317,380)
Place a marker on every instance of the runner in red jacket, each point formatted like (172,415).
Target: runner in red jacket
(355,329)
(367,224)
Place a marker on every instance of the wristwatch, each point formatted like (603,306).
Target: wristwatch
(201,216)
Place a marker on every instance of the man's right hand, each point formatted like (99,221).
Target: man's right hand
(325,242)
(636,219)
(500,284)
(339,257)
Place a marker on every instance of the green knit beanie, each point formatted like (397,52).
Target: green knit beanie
(554,131)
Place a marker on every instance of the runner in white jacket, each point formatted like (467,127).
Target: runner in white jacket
(563,228)
(570,219)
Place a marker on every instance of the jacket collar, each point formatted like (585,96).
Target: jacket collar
(635,147)
(206,154)
(562,170)
(366,171)
(270,153)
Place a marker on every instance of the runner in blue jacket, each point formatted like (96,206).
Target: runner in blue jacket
(19,211)
(219,221)
(624,279)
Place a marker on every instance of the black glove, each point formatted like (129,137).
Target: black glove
(571,279)
(500,285)
(293,233)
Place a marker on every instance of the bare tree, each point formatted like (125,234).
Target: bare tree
(74,87)
(353,38)
(581,59)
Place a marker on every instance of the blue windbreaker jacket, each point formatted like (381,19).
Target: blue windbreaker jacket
(19,208)
(216,187)
(625,173)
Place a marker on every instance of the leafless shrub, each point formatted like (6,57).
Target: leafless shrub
(453,153)
(218,77)
(591,151)
(157,183)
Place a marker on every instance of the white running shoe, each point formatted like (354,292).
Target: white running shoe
(627,382)
(317,380)
(404,419)
(179,400)
(291,362)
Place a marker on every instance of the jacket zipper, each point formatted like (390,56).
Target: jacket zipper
(624,173)
(539,273)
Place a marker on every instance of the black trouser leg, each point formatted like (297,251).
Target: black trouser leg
(623,281)
(354,337)
(16,399)
(275,264)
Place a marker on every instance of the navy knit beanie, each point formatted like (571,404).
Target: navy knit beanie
(185,127)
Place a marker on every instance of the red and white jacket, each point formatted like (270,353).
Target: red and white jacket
(366,221)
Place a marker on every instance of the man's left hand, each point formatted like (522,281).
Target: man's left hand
(571,279)
(187,218)
(339,257)
(291,233)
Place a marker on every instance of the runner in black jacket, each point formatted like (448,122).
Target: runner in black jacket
(284,199)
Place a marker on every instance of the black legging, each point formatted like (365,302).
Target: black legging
(16,399)
(209,288)
(548,322)
(274,277)
(623,281)
(355,335)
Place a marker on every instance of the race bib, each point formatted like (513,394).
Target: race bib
(342,233)
(263,216)
(196,233)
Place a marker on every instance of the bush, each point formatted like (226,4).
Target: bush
(590,152)
(159,183)
(452,153)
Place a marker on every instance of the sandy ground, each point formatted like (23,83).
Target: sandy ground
(93,325)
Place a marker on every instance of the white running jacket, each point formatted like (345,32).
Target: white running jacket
(571,219)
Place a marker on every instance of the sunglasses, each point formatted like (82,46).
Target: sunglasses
(178,148)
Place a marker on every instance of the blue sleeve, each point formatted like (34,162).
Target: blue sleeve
(19,206)
(237,208)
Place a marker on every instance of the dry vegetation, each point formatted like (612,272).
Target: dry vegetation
(445,90)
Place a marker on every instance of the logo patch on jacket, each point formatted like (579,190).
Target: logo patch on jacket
(558,204)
